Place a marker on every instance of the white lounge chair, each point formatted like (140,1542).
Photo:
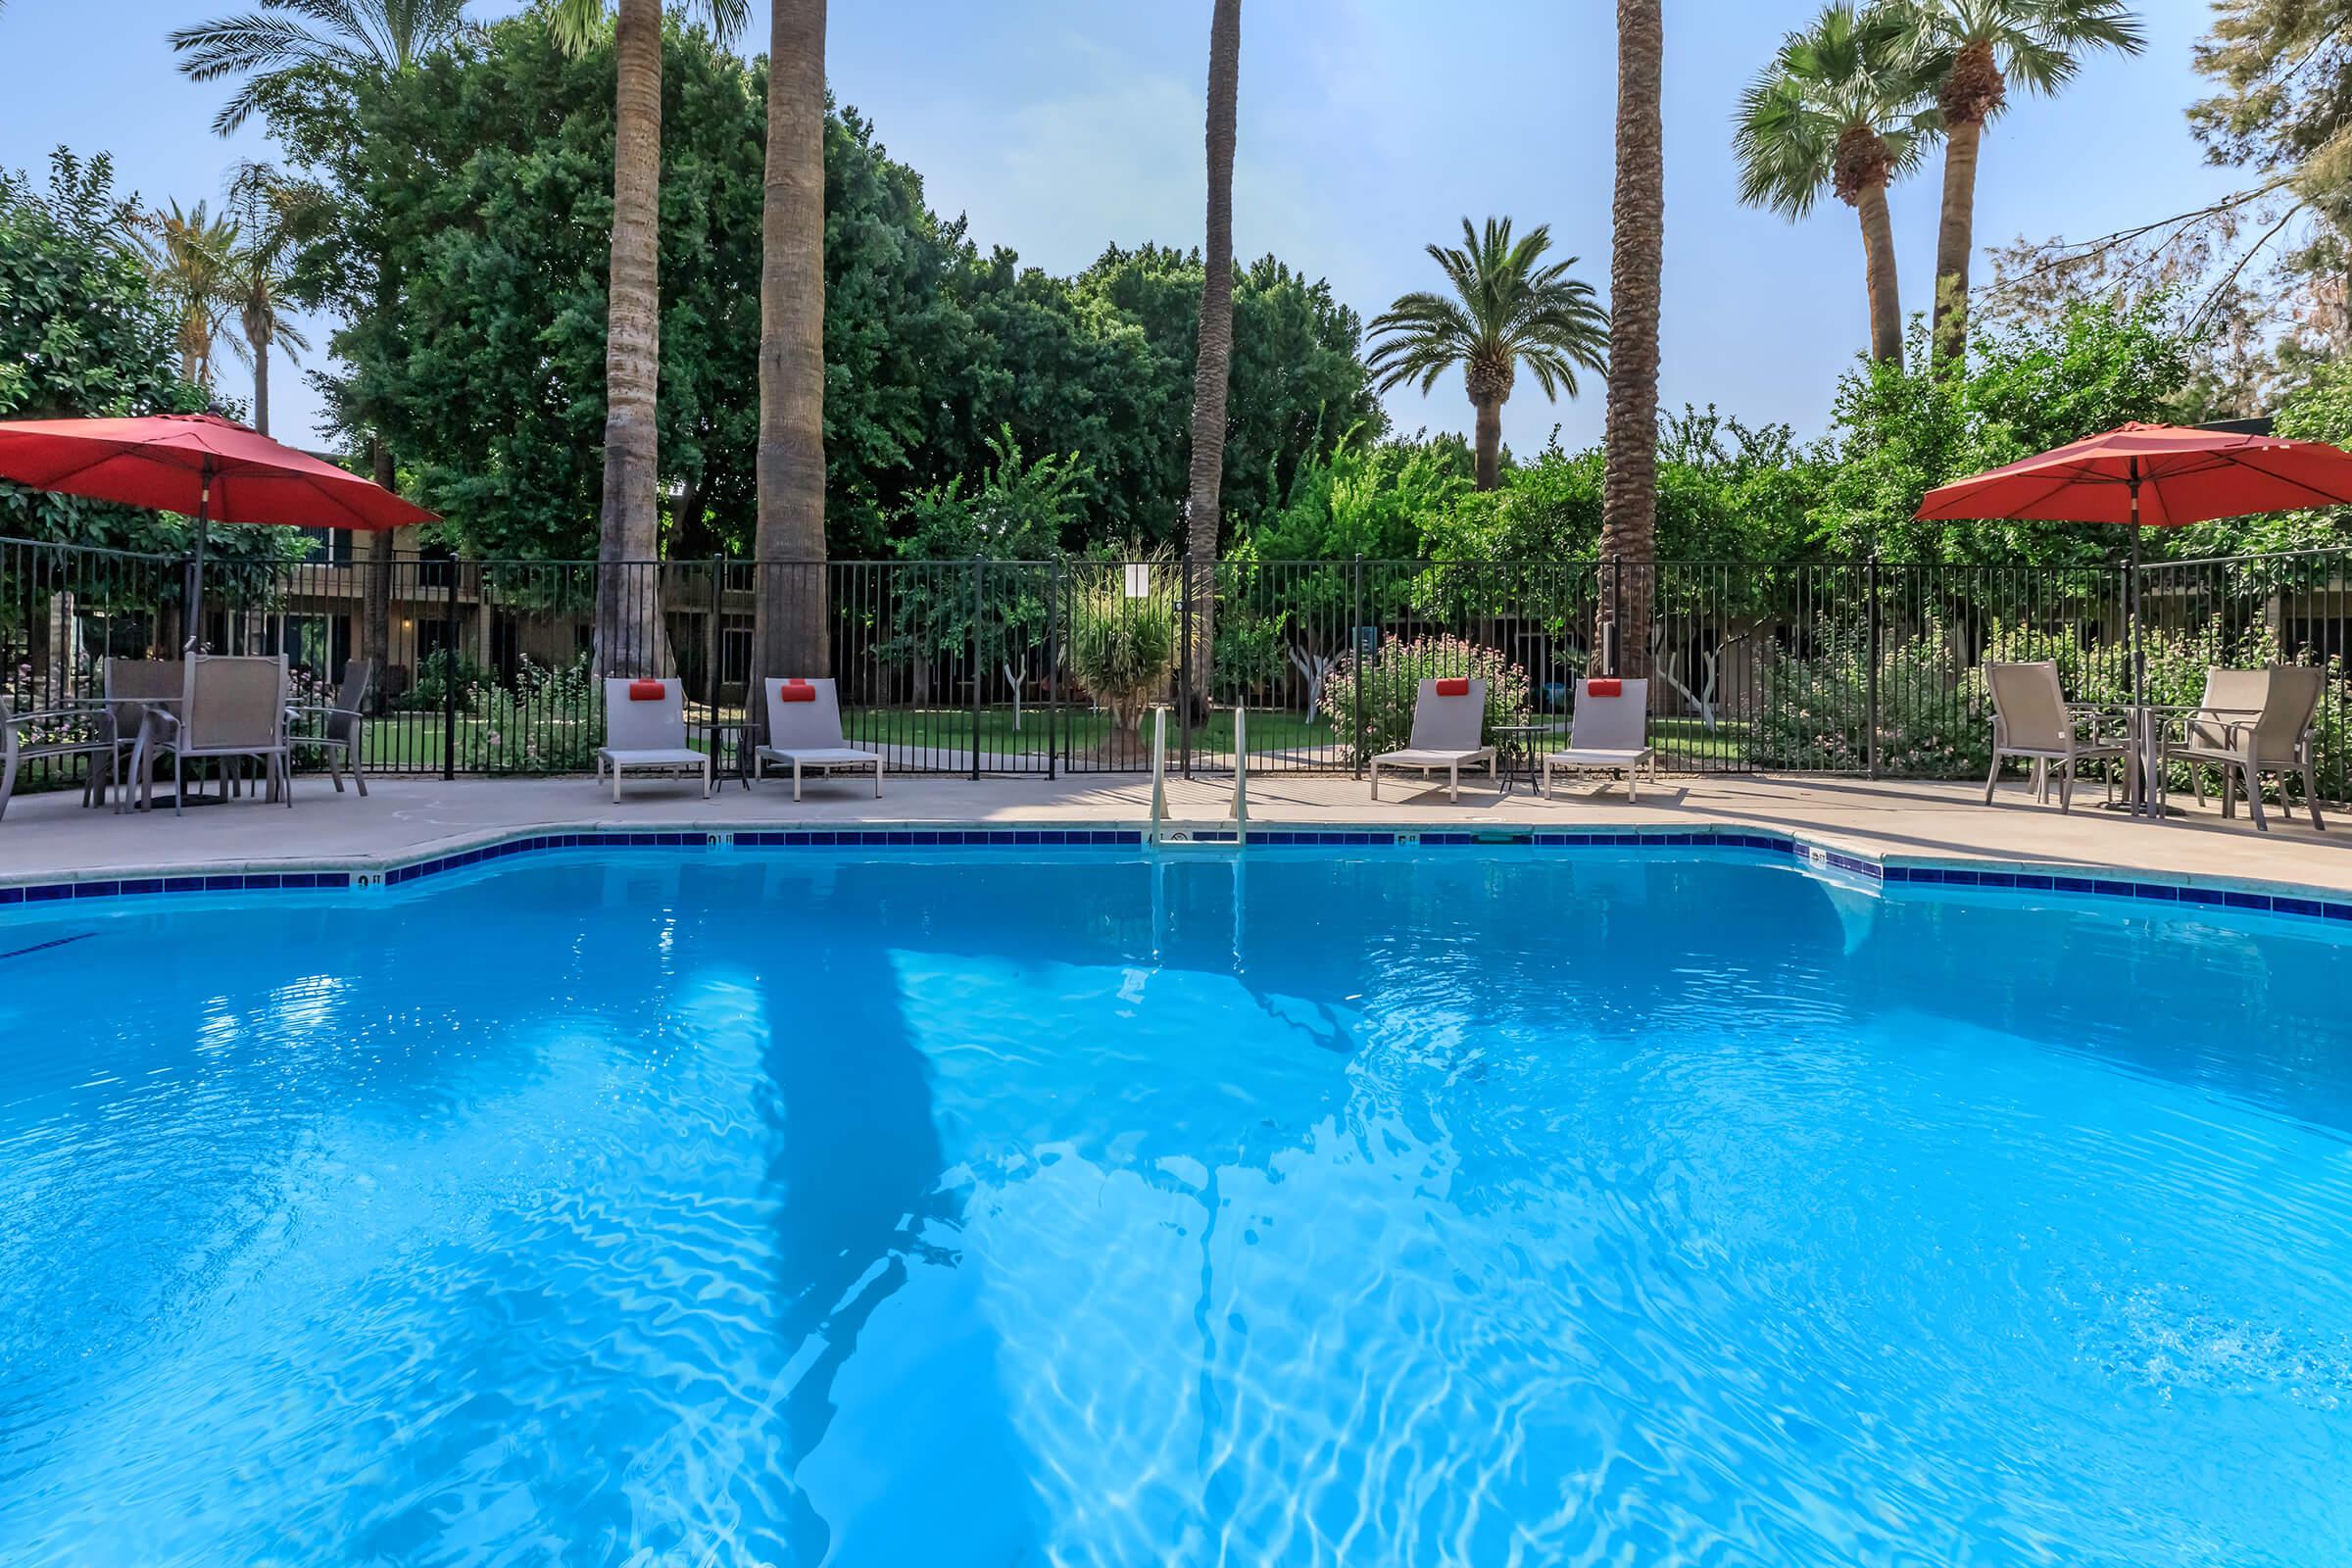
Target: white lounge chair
(1449,721)
(1608,732)
(644,732)
(2253,722)
(804,734)
(2033,719)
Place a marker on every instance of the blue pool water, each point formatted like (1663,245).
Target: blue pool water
(723,1208)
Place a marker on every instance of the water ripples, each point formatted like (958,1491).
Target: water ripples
(774,1210)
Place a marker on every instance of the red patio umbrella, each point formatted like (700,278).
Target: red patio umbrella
(2157,475)
(200,466)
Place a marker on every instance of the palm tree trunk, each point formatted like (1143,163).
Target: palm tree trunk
(1489,472)
(260,340)
(1628,499)
(628,620)
(1877,250)
(1212,367)
(1955,236)
(790,632)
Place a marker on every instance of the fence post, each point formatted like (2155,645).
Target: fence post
(1869,713)
(712,645)
(1355,660)
(1050,686)
(1184,665)
(449,671)
(1610,644)
(979,575)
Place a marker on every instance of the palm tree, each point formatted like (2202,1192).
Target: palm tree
(1505,308)
(1839,108)
(1971,51)
(353,41)
(789,632)
(188,254)
(1629,495)
(1213,364)
(274,217)
(629,639)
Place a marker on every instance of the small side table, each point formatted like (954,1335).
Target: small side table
(1515,743)
(738,744)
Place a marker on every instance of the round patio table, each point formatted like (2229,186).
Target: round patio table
(1520,746)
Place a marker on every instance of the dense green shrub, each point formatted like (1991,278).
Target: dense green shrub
(1392,680)
(1122,649)
(433,674)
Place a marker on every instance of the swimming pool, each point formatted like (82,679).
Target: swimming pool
(1083,1207)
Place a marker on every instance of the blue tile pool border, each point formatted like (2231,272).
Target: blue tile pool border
(2142,889)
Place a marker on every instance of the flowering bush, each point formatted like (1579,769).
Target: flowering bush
(1391,682)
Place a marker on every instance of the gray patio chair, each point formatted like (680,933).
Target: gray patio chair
(2032,719)
(1449,721)
(340,727)
(1608,732)
(68,729)
(233,707)
(803,733)
(644,732)
(135,687)
(2274,737)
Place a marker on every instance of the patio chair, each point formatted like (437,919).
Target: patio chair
(2032,720)
(644,732)
(803,733)
(1449,720)
(233,707)
(1608,732)
(339,729)
(135,687)
(2272,734)
(70,729)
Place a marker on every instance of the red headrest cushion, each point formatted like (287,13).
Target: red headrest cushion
(647,691)
(796,691)
(1604,688)
(1454,688)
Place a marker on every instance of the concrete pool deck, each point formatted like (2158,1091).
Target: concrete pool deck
(52,837)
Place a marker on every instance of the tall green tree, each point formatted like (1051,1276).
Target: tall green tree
(298,63)
(1630,442)
(1839,108)
(189,250)
(1212,362)
(1508,308)
(1973,51)
(2283,106)
(86,330)
(271,215)
(791,621)
(629,636)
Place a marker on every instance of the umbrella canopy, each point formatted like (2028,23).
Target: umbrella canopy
(200,466)
(2161,475)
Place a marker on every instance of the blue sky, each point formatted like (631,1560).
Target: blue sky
(1368,128)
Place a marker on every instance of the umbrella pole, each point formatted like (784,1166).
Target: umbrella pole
(2138,669)
(204,509)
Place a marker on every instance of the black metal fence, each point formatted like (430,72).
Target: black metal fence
(996,668)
